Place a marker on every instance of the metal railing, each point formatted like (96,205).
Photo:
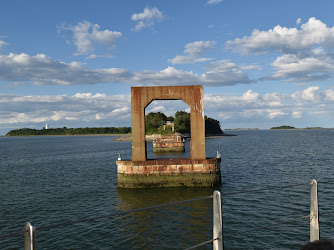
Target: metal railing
(217,238)
(30,228)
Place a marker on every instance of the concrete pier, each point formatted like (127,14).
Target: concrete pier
(168,143)
(168,173)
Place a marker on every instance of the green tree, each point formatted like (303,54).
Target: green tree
(170,118)
(154,122)
(212,126)
(182,122)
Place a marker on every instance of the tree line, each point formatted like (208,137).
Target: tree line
(69,131)
(154,123)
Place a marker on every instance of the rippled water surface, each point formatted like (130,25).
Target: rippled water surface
(50,180)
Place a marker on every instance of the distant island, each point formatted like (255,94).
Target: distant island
(69,131)
(235,129)
(283,127)
(154,124)
(290,127)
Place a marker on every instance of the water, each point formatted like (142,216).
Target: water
(51,180)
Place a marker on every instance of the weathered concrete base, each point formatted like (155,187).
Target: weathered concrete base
(168,149)
(168,173)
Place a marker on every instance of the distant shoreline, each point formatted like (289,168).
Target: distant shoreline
(128,137)
(117,135)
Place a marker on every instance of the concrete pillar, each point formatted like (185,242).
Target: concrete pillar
(197,125)
(138,126)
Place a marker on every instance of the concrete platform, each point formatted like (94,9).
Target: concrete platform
(168,173)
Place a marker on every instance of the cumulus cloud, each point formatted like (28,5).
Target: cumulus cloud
(306,52)
(329,95)
(310,68)
(42,70)
(199,47)
(224,73)
(147,18)
(169,75)
(86,36)
(313,32)
(309,94)
(193,50)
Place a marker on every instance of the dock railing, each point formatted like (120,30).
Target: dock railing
(217,238)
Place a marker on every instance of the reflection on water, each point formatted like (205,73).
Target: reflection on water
(187,221)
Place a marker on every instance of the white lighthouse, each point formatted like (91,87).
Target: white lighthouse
(46,126)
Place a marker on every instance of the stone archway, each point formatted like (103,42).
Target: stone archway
(193,96)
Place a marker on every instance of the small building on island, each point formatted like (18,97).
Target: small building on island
(168,143)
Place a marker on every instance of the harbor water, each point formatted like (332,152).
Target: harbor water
(55,179)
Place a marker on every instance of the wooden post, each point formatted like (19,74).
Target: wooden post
(218,243)
(314,213)
(30,236)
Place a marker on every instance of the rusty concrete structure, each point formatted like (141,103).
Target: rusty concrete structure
(196,171)
(168,143)
(168,173)
(169,124)
(193,96)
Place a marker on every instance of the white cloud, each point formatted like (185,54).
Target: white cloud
(147,18)
(168,107)
(86,36)
(214,1)
(294,68)
(313,32)
(309,94)
(187,60)
(199,47)
(224,73)
(2,43)
(299,20)
(193,50)
(272,99)
(297,114)
(169,75)
(275,113)
(42,70)
(249,106)
(306,52)
(329,94)
(249,96)
(270,108)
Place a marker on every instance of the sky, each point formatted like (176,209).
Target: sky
(72,63)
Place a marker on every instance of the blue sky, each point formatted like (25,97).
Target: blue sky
(72,63)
